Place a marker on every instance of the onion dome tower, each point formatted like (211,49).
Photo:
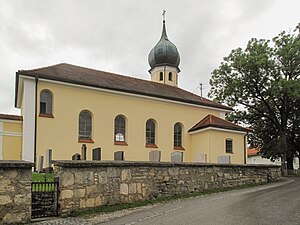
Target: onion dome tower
(164,60)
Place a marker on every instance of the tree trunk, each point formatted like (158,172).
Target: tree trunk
(284,149)
(290,165)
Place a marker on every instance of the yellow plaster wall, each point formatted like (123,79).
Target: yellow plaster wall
(12,127)
(61,132)
(200,144)
(12,141)
(217,143)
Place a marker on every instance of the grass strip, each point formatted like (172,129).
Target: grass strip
(117,207)
(42,177)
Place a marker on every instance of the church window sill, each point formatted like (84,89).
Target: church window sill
(121,143)
(151,146)
(85,141)
(46,115)
(179,148)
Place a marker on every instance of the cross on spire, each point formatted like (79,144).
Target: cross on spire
(164,14)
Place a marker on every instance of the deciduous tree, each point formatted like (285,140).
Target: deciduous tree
(262,83)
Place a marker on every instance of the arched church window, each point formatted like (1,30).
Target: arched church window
(177,135)
(85,125)
(161,76)
(46,102)
(170,76)
(150,132)
(120,129)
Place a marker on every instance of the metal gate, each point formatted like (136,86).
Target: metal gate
(44,199)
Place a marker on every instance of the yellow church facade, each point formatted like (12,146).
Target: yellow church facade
(105,116)
(61,133)
(10,137)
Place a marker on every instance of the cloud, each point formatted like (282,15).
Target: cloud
(117,35)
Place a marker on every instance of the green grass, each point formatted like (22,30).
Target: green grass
(42,177)
(36,177)
(117,207)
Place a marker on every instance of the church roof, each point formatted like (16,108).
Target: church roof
(99,79)
(213,121)
(252,151)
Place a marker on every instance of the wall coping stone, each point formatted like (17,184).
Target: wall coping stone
(89,164)
(15,164)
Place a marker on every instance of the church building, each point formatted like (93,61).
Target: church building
(106,116)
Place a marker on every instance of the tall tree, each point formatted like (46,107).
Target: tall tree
(262,83)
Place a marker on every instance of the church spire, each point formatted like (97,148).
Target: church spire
(164,30)
(164,59)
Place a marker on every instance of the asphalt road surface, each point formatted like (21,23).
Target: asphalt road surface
(273,204)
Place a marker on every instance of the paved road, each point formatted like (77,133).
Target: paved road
(271,204)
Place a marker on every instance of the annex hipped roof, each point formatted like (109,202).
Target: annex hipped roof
(213,121)
(252,151)
(99,79)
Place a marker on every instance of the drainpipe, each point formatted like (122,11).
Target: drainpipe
(245,148)
(35,126)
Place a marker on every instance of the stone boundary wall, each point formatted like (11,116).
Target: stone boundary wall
(85,184)
(15,191)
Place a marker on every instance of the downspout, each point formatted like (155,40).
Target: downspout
(35,126)
(245,148)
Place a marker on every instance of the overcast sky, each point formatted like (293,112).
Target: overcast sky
(116,36)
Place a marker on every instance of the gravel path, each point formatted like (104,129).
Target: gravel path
(91,220)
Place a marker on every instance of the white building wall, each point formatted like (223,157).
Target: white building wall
(256,159)
(28,119)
